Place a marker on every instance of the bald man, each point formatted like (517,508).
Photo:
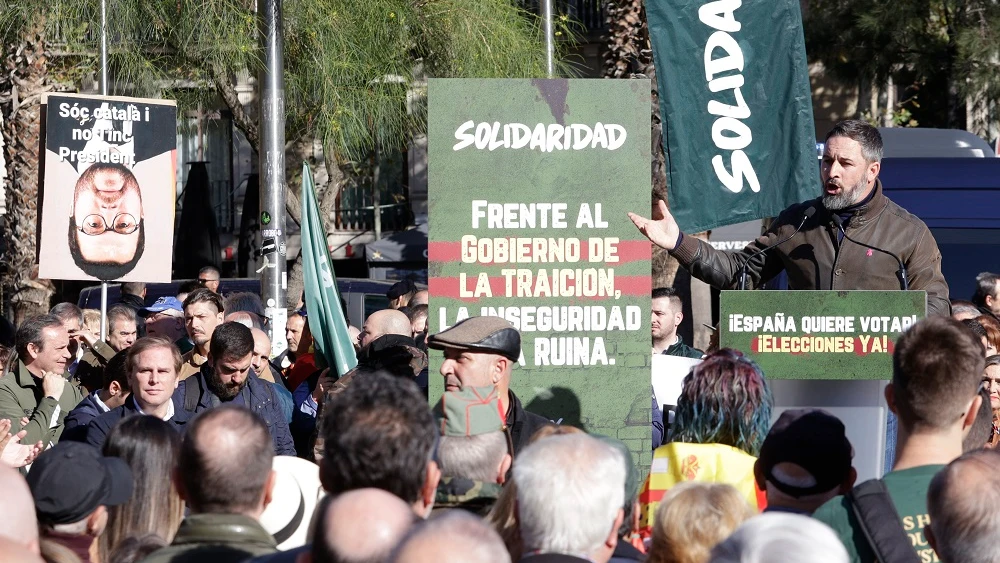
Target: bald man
(453,537)
(18,523)
(421,297)
(261,352)
(961,505)
(361,525)
(245,318)
(224,475)
(380,323)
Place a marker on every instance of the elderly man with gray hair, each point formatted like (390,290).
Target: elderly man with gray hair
(570,492)
(962,504)
(780,536)
(473,453)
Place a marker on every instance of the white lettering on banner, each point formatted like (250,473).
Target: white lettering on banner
(542,137)
(729,133)
(729,244)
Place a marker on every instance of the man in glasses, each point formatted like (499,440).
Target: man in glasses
(106,232)
(209,277)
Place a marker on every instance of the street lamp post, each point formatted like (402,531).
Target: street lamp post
(273,280)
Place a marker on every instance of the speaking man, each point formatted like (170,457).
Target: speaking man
(850,237)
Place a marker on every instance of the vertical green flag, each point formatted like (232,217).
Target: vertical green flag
(326,318)
(736,104)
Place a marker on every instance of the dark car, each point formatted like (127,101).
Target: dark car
(363,296)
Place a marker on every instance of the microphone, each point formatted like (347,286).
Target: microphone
(809,212)
(904,283)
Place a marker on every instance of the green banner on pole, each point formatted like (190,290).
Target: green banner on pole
(530,182)
(819,334)
(737,109)
(325,315)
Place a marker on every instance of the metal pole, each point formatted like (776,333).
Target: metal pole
(104,92)
(273,281)
(550,38)
(375,199)
(104,47)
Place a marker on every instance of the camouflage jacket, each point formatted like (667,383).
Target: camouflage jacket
(476,497)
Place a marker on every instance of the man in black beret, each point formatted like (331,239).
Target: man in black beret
(481,352)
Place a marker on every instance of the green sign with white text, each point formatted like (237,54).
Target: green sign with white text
(529,185)
(819,334)
(736,104)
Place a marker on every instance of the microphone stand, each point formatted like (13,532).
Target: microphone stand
(743,269)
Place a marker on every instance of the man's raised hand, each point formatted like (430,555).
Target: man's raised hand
(661,229)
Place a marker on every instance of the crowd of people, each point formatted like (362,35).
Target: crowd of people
(124,449)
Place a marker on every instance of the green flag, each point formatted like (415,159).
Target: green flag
(736,104)
(326,318)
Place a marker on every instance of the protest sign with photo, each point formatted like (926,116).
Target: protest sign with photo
(530,182)
(108,188)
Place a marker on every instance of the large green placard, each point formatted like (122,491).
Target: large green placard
(819,334)
(529,185)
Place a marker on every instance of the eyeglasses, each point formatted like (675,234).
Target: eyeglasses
(123,224)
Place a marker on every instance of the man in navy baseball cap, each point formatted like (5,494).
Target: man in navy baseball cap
(73,484)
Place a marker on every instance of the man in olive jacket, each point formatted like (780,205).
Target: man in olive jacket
(224,475)
(829,251)
(38,389)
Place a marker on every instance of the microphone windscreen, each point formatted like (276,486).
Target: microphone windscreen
(809,212)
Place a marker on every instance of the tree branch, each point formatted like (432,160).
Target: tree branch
(248,126)
(241,119)
(293,206)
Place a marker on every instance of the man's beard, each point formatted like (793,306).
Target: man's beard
(845,198)
(222,391)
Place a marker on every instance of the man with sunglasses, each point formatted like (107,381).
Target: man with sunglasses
(209,277)
(106,232)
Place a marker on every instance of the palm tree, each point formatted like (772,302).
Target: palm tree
(24,79)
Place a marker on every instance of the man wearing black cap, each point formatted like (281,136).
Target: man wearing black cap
(400,293)
(72,484)
(804,461)
(481,352)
